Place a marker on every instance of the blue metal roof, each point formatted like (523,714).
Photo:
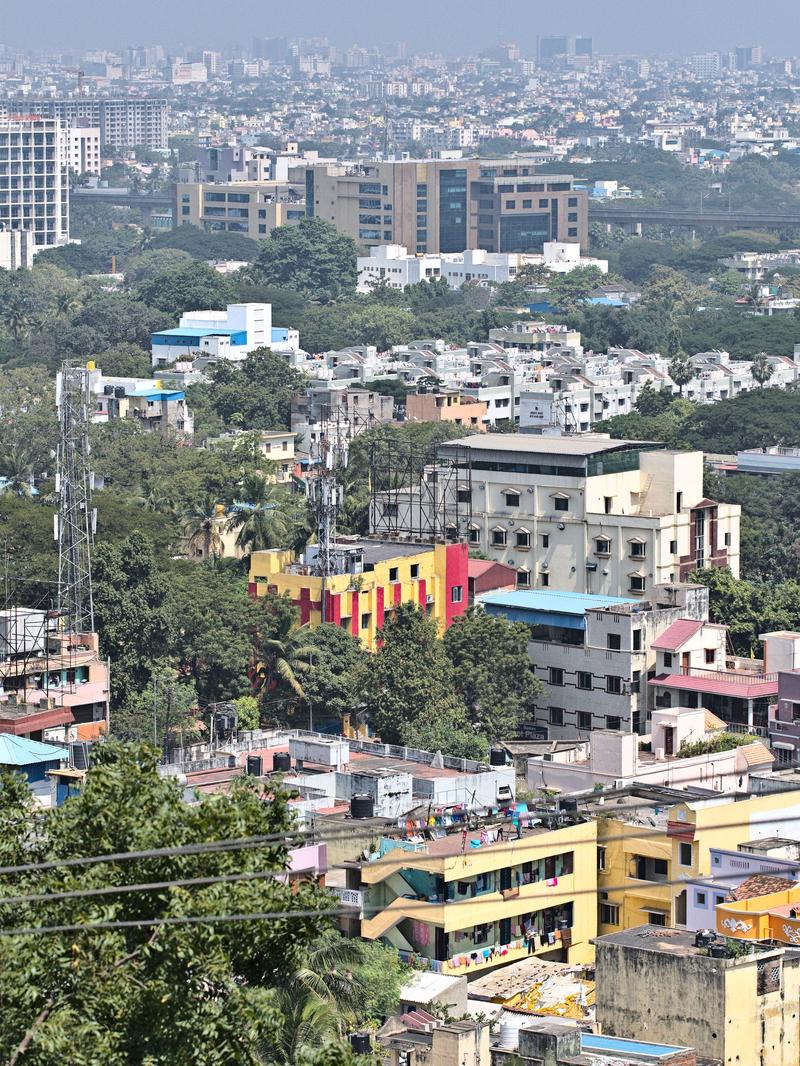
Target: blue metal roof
(158,394)
(19,751)
(548,607)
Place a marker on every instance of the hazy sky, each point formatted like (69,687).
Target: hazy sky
(648,26)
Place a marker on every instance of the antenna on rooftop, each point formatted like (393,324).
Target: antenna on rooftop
(75,522)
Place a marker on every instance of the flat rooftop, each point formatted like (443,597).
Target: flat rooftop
(580,446)
(565,608)
(663,940)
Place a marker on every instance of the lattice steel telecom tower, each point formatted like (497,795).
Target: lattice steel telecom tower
(75,522)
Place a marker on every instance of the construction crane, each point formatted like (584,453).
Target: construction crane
(76,520)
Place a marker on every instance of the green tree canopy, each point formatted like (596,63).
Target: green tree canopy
(493,672)
(312,257)
(152,993)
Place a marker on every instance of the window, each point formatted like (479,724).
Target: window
(556,715)
(636,681)
(673,547)
(667,658)
(527,205)
(544,580)
(393,573)
(543,203)
(768,976)
(613,722)
(700,899)
(637,583)
(545,540)
(498,538)
(511,205)
(602,546)
(657,918)
(711,656)
(457,594)
(556,675)
(561,503)
(523,538)
(718,900)
(609,914)
(637,639)
(601,862)
(414,570)
(365,620)
(614,684)
(727,540)
(572,231)
(572,201)
(638,549)
(685,854)
(512,498)
(474,535)
(613,641)
(584,679)
(678,501)
(523,578)
(585,720)
(572,216)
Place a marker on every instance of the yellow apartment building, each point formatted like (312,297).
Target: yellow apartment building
(467,902)
(641,866)
(377,577)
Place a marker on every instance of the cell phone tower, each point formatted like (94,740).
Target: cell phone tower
(75,522)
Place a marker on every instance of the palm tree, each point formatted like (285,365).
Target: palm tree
(201,524)
(285,657)
(156,496)
(306,1023)
(260,520)
(16,469)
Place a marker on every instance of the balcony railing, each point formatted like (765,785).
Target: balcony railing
(738,677)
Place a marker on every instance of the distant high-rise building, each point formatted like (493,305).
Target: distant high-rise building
(34,190)
(275,49)
(123,122)
(563,45)
(747,56)
(705,65)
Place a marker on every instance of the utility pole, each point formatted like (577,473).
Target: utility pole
(76,520)
(167,723)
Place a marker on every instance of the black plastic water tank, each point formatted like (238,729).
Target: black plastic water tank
(497,757)
(718,951)
(281,761)
(360,1043)
(254,766)
(362,807)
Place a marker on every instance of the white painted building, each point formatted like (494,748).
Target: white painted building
(222,335)
(82,148)
(16,249)
(34,190)
(392,265)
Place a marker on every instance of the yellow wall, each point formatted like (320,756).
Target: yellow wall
(622,842)
(267,569)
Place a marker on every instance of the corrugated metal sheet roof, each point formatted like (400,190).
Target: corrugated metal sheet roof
(19,751)
(677,634)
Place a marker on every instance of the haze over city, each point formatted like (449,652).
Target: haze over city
(399,534)
(451,26)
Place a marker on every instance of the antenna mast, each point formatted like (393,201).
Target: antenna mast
(75,523)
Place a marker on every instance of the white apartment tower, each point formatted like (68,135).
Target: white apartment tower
(34,191)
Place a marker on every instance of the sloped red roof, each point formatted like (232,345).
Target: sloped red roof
(676,635)
(760,885)
(713,686)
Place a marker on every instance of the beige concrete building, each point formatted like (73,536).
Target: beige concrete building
(653,983)
(249,207)
(438,205)
(582,513)
(445,406)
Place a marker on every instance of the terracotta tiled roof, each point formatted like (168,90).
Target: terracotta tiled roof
(757,753)
(760,885)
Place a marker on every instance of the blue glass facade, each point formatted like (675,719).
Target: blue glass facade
(453,210)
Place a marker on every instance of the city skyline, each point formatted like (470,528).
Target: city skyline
(622,26)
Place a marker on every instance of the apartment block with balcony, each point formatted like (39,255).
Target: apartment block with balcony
(695,668)
(34,190)
(469,902)
(127,122)
(153,407)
